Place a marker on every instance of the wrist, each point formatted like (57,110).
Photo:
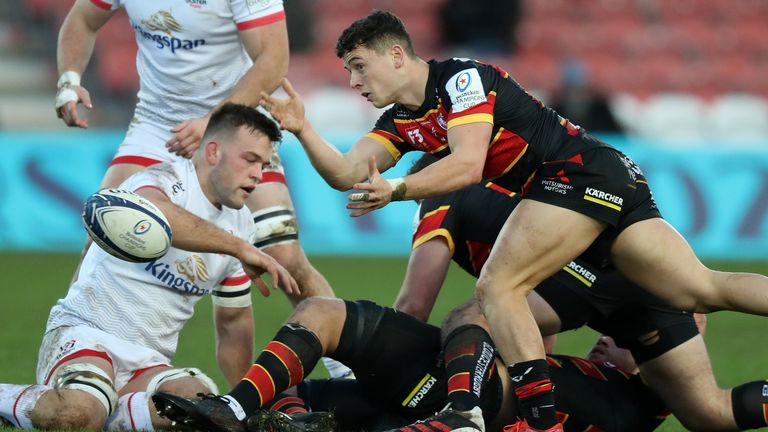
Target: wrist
(398,188)
(68,78)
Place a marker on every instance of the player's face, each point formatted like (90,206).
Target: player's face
(372,75)
(240,167)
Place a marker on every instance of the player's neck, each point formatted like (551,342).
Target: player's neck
(414,92)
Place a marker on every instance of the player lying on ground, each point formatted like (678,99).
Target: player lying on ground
(462,226)
(401,377)
(109,344)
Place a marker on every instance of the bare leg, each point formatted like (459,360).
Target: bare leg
(656,257)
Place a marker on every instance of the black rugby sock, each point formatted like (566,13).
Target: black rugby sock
(469,354)
(750,405)
(535,395)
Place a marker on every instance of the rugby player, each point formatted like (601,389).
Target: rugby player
(400,378)
(577,190)
(109,344)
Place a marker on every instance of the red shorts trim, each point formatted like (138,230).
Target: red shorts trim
(137,160)
(142,370)
(78,354)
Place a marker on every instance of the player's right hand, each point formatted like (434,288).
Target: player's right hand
(255,263)
(67,99)
(288,112)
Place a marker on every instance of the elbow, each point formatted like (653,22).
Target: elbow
(472,175)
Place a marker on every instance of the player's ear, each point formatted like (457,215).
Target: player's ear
(398,55)
(212,149)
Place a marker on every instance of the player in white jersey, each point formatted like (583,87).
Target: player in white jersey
(193,56)
(110,342)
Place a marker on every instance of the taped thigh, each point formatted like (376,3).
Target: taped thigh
(175,374)
(88,378)
(275,225)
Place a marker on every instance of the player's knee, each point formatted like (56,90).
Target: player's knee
(317,306)
(68,409)
(276,226)
(86,384)
(186,382)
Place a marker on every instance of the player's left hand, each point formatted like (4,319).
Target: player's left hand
(375,194)
(187,136)
(256,263)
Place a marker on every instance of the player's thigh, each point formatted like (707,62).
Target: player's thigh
(185,382)
(537,240)
(117,174)
(683,378)
(269,194)
(655,256)
(545,316)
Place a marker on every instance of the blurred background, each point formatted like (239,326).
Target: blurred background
(679,85)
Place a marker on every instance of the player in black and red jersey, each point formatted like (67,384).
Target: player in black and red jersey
(462,226)
(484,125)
(400,378)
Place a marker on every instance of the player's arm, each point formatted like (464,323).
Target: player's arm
(427,268)
(340,170)
(234,341)
(77,38)
(194,234)
(267,45)
(462,168)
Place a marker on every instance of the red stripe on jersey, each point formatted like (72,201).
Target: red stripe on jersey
(78,354)
(588,368)
(505,150)
(142,370)
(150,187)
(16,404)
(290,360)
(459,352)
(101,4)
(502,190)
(534,388)
(430,222)
(272,177)
(269,19)
(458,382)
(137,160)
(262,381)
(481,108)
(235,280)
(386,135)
(478,254)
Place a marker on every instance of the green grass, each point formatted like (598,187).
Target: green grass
(33,282)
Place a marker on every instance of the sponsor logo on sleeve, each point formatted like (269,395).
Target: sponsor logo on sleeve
(465,90)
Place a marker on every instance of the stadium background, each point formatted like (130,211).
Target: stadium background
(686,79)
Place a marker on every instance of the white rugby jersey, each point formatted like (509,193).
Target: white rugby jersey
(190,55)
(148,303)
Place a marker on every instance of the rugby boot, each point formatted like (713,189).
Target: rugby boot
(522,426)
(449,420)
(276,421)
(211,413)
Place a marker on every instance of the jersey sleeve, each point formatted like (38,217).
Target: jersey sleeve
(107,4)
(255,13)
(161,177)
(468,94)
(233,291)
(435,220)
(386,133)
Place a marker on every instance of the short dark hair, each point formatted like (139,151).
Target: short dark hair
(378,31)
(229,117)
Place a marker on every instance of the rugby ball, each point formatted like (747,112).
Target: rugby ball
(126,225)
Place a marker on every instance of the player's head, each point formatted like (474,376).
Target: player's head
(374,50)
(235,147)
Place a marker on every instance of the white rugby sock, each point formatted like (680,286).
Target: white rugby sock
(17,402)
(132,413)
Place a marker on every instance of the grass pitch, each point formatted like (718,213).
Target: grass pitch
(33,281)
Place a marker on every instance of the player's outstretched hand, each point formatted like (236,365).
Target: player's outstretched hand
(375,194)
(67,100)
(288,112)
(187,136)
(256,263)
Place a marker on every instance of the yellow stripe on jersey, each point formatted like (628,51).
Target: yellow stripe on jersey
(581,278)
(387,144)
(440,232)
(602,202)
(422,118)
(416,389)
(471,118)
